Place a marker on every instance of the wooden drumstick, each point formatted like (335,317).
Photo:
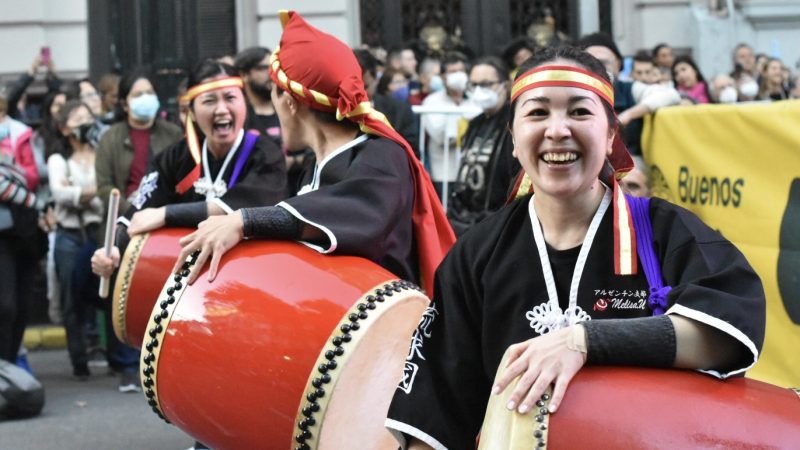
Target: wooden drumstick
(111,231)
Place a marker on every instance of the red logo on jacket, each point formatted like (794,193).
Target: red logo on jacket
(600,305)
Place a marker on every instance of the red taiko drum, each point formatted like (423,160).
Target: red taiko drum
(148,258)
(636,409)
(286,348)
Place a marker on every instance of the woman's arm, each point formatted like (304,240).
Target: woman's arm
(699,346)
(63,193)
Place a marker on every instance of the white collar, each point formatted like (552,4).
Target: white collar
(548,316)
(216,188)
(314,185)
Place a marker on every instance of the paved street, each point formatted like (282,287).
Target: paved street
(87,415)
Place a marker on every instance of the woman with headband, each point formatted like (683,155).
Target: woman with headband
(554,279)
(214,172)
(367,195)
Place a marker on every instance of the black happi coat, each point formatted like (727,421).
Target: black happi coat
(493,276)
(261,182)
(361,198)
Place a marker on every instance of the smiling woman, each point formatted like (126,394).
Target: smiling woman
(536,282)
(214,171)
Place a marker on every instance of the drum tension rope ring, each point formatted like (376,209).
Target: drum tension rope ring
(157,330)
(336,350)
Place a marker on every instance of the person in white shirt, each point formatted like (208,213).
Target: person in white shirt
(441,128)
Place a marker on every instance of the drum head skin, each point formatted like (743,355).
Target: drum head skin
(353,400)
(148,259)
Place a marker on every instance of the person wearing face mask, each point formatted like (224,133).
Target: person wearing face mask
(723,89)
(487,164)
(632,99)
(18,256)
(441,127)
(746,84)
(78,213)
(85,91)
(430,81)
(218,167)
(139,135)
(121,160)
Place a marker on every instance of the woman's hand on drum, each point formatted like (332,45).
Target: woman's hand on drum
(541,361)
(103,265)
(148,219)
(214,236)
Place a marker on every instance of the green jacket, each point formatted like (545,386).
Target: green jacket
(115,156)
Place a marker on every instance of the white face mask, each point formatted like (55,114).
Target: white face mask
(749,88)
(485,98)
(456,81)
(728,95)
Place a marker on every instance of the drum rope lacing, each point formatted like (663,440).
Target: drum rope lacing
(122,305)
(336,349)
(159,322)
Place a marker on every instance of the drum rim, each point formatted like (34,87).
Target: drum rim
(119,305)
(160,317)
(307,428)
(536,421)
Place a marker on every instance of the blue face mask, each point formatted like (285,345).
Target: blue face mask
(144,107)
(401,94)
(5,130)
(436,83)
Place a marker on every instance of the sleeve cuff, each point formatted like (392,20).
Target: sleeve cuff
(185,214)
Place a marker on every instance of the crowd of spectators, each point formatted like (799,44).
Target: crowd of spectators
(64,166)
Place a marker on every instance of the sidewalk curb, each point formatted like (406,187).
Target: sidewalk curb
(45,336)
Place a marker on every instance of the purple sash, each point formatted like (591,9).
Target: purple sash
(247,148)
(640,214)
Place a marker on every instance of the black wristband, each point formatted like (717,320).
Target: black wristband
(186,214)
(643,342)
(271,222)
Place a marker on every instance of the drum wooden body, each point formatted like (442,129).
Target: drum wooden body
(286,348)
(634,408)
(148,259)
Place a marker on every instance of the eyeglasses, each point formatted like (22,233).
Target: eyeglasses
(484,84)
(89,95)
(261,67)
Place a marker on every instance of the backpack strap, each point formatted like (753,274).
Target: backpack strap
(640,212)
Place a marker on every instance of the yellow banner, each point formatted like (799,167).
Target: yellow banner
(738,168)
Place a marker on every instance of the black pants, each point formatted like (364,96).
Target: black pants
(17,272)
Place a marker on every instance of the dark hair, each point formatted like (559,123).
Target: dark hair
(248,58)
(700,79)
(643,56)
(602,40)
(324,116)
(49,129)
(63,117)
(658,48)
(495,63)
(515,46)
(125,85)
(386,79)
(368,63)
(209,68)
(570,53)
(73,89)
(451,58)
(688,60)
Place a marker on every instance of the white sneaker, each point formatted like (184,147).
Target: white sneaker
(129,382)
